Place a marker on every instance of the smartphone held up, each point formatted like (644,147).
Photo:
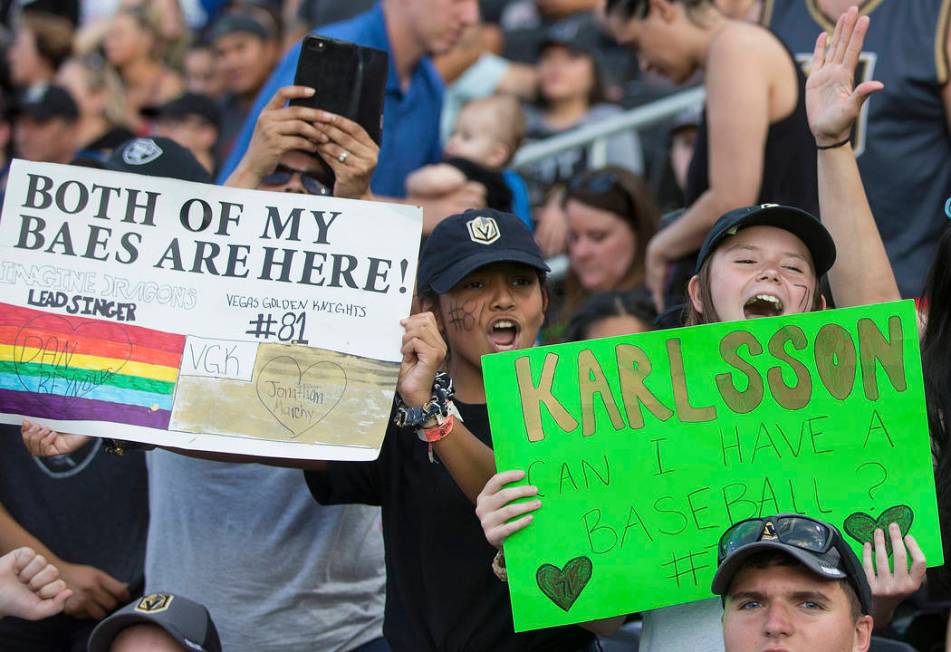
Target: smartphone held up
(348,79)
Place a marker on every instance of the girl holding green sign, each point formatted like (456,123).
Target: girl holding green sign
(764,261)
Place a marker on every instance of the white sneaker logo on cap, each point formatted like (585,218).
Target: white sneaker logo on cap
(141,151)
(483,230)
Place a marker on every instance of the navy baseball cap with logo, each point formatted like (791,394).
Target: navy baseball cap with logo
(185,620)
(816,545)
(47,102)
(187,105)
(801,224)
(464,242)
(157,157)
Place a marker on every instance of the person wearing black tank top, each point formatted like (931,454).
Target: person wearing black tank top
(754,136)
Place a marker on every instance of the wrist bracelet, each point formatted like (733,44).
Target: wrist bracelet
(834,145)
(438,405)
(498,566)
(438,429)
(119,447)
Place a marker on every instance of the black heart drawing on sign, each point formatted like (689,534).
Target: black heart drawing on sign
(300,399)
(564,585)
(54,348)
(861,527)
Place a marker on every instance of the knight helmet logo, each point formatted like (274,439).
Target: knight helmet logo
(141,151)
(154,603)
(483,230)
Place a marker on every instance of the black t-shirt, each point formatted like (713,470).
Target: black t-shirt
(88,507)
(441,593)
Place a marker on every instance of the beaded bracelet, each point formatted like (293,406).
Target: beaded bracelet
(425,416)
(498,566)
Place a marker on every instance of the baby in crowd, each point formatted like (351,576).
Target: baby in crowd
(487,134)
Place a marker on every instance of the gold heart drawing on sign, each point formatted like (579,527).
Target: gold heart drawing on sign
(300,399)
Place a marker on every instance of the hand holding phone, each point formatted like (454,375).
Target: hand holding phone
(349,80)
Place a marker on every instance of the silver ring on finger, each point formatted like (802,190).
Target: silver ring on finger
(343,156)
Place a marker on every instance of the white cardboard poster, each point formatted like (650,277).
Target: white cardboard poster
(200,316)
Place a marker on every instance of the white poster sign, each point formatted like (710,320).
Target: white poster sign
(199,316)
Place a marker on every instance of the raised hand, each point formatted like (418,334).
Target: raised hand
(350,152)
(279,129)
(423,353)
(832,103)
(891,585)
(43,442)
(30,587)
(495,506)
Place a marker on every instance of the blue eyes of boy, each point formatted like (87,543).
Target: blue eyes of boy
(749,605)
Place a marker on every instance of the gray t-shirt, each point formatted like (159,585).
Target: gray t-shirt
(277,571)
(624,150)
(695,626)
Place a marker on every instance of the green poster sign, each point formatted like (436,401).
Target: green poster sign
(646,447)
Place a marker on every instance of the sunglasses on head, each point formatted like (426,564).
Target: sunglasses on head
(793,530)
(600,182)
(283,174)
(800,532)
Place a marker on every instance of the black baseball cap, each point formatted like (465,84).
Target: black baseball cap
(580,35)
(836,563)
(464,242)
(801,224)
(237,23)
(47,102)
(188,104)
(157,157)
(185,620)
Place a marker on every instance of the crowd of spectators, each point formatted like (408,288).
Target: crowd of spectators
(206,83)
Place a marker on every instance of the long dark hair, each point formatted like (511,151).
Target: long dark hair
(635,303)
(596,94)
(619,191)
(936,365)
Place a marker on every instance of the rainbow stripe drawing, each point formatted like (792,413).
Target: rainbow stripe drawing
(67,367)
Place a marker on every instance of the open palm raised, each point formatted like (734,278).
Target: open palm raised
(832,103)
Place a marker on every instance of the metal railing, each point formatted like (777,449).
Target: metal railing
(595,138)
